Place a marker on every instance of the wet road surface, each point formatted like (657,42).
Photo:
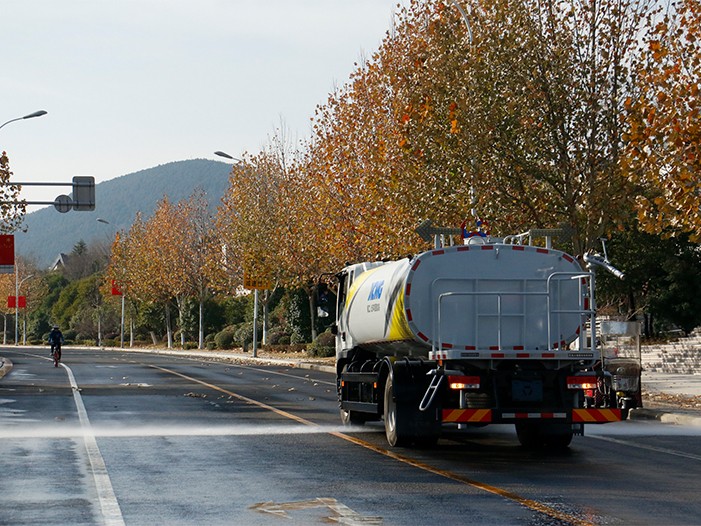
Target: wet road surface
(170,440)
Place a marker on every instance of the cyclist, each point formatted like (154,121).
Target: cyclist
(56,340)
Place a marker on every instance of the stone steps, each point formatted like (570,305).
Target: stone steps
(681,357)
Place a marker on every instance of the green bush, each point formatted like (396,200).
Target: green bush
(70,334)
(190,345)
(284,340)
(211,346)
(224,339)
(323,347)
(296,338)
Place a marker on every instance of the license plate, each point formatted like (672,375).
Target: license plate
(527,390)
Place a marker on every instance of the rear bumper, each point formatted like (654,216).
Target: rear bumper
(517,416)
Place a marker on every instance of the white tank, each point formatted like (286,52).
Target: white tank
(471,301)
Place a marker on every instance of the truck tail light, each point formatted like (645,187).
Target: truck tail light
(464,382)
(581,382)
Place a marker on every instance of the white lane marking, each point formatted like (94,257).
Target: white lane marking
(649,448)
(108,500)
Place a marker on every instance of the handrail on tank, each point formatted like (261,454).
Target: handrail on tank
(508,240)
(547,293)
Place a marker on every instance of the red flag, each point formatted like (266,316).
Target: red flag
(11,303)
(22,303)
(115,289)
(7,254)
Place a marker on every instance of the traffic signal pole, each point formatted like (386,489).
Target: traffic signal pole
(83,195)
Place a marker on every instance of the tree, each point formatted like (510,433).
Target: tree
(665,125)
(12,210)
(663,280)
(528,117)
(199,253)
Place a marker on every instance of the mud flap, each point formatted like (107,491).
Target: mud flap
(410,382)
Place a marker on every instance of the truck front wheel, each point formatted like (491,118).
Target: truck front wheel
(353,418)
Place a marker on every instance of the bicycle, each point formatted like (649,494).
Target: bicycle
(56,353)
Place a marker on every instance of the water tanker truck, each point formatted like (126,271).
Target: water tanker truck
(492,331)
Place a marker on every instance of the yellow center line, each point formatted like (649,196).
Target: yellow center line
(529,503)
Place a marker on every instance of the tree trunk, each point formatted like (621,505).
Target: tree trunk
(168,327)
(99,329)
(311,312)
(201,340)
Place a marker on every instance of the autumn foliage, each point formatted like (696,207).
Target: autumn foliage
(665,125)
(584,113)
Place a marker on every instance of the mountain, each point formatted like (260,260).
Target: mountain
(117,201)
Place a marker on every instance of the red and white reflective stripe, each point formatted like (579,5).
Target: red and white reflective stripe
(533,415)
(467,415)
(596,415)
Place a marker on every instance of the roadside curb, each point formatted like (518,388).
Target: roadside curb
(237,356)
(6,366)
(666,417)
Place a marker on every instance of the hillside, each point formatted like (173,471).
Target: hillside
(118,201)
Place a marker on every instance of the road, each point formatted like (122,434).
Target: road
(141,439)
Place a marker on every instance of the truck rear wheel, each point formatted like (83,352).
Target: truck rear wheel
(559,440)
(529,436)
(392,418)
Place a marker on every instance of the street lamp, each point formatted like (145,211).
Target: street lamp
(30,116)
(17,287)
(227,156)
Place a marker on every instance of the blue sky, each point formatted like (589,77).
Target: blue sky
(129,85)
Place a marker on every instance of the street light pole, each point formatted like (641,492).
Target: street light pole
(30,116)
(17,287)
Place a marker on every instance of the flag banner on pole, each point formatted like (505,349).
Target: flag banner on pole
(7,254)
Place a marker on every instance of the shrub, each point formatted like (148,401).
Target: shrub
(276,336)
(224,339)
(190,345)
(244,333)
(70,334)
(296,338)
(211,346)
(323,347)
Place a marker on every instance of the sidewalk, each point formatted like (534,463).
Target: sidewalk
(670,398)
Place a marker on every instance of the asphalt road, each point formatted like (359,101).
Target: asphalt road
(131,438)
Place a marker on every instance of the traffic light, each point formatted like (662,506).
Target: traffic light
(84,193)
